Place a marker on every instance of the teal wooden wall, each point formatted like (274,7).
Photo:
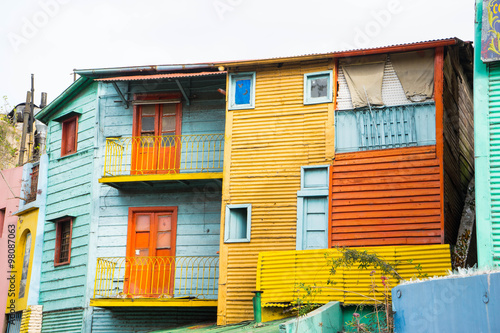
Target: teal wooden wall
(139,320)
(69,193)
(198,216)
(198,202)
(486,124)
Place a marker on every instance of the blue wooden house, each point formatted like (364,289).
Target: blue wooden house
(134,199)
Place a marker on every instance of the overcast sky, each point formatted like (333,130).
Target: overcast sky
(50,38)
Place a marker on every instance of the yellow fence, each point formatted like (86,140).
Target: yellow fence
(163,154)
(279,273)
(157,277)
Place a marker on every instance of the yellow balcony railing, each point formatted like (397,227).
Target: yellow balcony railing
(157,277)
(140,155)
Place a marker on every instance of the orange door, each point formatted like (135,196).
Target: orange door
(156,141)
(150,269)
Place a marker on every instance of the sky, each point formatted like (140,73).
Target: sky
(51,38)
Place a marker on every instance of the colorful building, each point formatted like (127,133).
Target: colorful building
(154,170)
(10,191)
(26,312)
(358,148)
(486,94)
(133,200)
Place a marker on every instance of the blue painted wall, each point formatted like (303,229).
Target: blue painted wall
(459,304)
(69,193)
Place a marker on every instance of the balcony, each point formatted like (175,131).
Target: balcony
(154,158)
(156,281)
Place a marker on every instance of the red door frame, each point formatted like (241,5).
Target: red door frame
(153,231)
(136,129)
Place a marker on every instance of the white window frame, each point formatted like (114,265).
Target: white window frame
(233,77)
(307,88)
(227,224)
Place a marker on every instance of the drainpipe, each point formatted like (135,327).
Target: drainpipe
(257,307)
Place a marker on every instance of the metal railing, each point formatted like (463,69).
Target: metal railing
(139,155)
(157,277)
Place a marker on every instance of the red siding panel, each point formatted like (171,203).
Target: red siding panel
(386,197)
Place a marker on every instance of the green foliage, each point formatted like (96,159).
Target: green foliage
(8,136)
(363,259)
(305,298)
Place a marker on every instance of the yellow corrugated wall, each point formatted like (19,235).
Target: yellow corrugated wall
(265,148)
(281,272)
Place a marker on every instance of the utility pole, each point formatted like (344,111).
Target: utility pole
(26,115)
(31,120)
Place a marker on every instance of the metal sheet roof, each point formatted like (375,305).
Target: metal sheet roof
(159,76)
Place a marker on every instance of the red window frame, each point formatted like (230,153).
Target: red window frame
(69,137)
(60,241)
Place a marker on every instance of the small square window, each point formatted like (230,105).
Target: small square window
(69,136)
(64,228)
(237,226)
(242,91)
(318,87)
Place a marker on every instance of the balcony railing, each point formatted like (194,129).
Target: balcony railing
(157,277)
(164,154)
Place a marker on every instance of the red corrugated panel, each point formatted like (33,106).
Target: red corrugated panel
(159,76)
(386,197)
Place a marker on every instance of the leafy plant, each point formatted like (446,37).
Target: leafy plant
(304,302)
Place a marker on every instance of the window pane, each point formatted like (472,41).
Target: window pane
(142,223)
(169,109)
(168,124)
(165,223)
(65,241)
(238,223)
(147,124)
(163,240)
(148,110)
(319,86)
(242,91)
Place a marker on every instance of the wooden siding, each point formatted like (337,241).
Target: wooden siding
(142,320)
(199,202)
(204,115)
(458,150)
(267,146)
(494,159)
(386,197)
(69,193)
(68,321)
(198,217)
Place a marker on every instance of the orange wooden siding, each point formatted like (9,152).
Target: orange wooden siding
(386,197)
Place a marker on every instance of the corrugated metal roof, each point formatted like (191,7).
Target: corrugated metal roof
(201,66)
(159,76)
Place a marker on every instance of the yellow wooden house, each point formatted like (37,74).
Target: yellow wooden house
(280,164)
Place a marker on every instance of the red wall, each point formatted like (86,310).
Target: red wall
(386,197)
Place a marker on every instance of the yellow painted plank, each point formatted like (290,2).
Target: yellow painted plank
(159,177)
(122,302)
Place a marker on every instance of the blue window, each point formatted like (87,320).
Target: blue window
(242,91)
(318,87)
(312,208)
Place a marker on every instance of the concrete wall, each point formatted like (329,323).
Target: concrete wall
(457,304)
